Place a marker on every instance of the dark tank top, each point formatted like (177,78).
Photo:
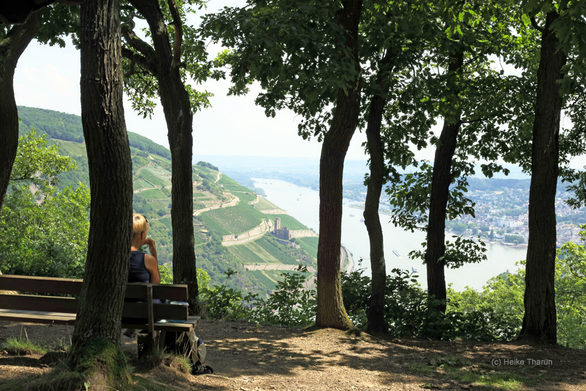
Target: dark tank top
(138,271)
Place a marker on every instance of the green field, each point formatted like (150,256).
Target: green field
(309,245)
(251,253)
(201,196)
(264,204)
(155,194)
(154,177)
(71,148)
(232,186)
(166,221)
(281,252)
(233,220)
(140,183)
(245,197)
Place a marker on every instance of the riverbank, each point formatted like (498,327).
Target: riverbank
(303,204)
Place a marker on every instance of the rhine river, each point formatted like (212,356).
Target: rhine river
(303,204)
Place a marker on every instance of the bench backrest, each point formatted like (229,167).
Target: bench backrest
(49,294)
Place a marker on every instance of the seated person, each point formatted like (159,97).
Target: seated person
(143,267)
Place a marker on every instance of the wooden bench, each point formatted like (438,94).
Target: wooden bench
(52,300)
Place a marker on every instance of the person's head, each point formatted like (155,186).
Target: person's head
(140,227)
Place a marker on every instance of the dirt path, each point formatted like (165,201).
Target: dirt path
(247,357)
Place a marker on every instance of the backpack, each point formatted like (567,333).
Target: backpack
(189,345)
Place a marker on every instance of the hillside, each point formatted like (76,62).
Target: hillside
(235,227)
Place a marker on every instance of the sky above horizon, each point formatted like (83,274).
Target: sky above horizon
(48,77)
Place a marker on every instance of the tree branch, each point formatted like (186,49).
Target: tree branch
(142,61)
(139,45)
(535,25)
(19,37)
(178,33)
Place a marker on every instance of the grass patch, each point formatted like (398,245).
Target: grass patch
(463,371)
(18,347)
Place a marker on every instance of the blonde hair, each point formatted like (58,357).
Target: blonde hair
(139,224)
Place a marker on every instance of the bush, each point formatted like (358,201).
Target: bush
(290,304)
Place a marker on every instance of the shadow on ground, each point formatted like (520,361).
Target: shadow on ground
(269,356)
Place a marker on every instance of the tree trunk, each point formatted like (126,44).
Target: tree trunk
(97,328)
(539,320)
(177,109)
(330,305)
(440,191)
(376,308)
(11,48)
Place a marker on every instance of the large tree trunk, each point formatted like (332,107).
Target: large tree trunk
(440,191)
(330,305)
(539,320)
(376,307)
(177,109)
(97,328)
(11,47)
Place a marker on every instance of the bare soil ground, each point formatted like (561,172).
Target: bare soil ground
(247,357)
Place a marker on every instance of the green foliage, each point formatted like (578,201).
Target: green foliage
(38,164)
(140,54)
(570,294)
(501,300)
(498,309)
(292,50)
(291,304)
(493,314)
(223,302)
(43,232)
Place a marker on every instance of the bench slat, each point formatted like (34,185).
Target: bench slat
(70,305)
(36,284)
(69,319)
(160,311)
(39,303)
(37,317)
(71,286)
(176,292)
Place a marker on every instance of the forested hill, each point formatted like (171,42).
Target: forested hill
(234,226)
(68,127)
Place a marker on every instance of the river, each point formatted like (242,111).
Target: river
(303,204)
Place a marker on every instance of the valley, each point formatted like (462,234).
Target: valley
(235,228)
